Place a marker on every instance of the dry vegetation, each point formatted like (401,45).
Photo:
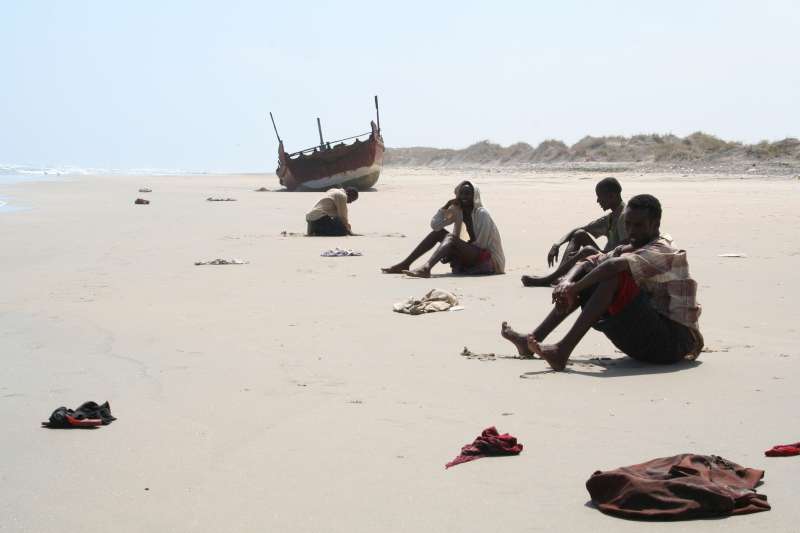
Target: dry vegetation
(698,149)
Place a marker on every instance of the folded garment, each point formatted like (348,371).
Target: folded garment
(783,450)
(434,300)
(489,443)
(680,487)
(212,199)
(338,252)
(89,414)
(222,262)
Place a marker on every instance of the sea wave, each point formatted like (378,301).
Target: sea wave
(33,171)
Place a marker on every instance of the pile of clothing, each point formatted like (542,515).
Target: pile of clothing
(680,487)
(339,252)
(488,444)
(435,300)
(89,414)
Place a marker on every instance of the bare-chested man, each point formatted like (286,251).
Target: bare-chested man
(639,295)
(481,253)
(581,241)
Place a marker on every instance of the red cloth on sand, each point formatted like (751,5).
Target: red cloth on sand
(681,487)
(783,450)
(489,443)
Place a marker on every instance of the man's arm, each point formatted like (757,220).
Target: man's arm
(586,273)
(340,201)
(605,270)
(595,228)
(552,255)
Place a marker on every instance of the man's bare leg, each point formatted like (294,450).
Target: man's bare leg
(451,247)
(572,253)
(555,317)
(422,248)
(558,354)
(563,268)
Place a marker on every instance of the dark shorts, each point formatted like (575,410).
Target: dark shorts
(327,227)
(644,334)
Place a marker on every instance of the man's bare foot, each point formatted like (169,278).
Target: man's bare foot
(421,272)
(552,353)
(516,339)
(396,269)
(534,281)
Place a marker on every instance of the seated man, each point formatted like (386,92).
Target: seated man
(328,218)
(640,296)
(481,253)
(580,241)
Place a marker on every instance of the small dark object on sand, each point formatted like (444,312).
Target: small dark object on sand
(141,201)
(88,415)
(262,189)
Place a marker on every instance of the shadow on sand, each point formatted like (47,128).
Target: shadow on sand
(608,367)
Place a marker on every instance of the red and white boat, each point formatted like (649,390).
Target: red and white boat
(333,164)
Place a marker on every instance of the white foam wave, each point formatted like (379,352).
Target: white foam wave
(32,171)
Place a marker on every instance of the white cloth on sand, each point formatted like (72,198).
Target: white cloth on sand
(339,252)
(435,300)
(222,262)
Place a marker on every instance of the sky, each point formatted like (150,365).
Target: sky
(189,84)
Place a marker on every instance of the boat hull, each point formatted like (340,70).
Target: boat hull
(356,165)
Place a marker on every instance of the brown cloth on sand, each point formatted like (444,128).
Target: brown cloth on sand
(678,488)
(490,442)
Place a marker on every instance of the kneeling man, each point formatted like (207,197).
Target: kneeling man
(328,218)
(639,295)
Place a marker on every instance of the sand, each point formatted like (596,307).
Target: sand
(285,395)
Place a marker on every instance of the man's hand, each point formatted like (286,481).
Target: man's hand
(450,203)
(565,297)
(552,255)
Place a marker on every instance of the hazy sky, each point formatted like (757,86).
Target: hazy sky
(189,84)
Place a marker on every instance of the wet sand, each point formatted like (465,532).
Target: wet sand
(285,395)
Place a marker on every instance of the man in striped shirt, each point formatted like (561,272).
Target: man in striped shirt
(640,295)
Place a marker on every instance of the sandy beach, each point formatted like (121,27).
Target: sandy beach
(285,395)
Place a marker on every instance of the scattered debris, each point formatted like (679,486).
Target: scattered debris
(339,252)
(469,354)
(222,262)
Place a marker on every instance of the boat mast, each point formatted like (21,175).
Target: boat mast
(377,113)
(274,127)
(321,141)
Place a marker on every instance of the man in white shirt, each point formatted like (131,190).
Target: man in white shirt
(328,218)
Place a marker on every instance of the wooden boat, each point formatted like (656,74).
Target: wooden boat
(334,163)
